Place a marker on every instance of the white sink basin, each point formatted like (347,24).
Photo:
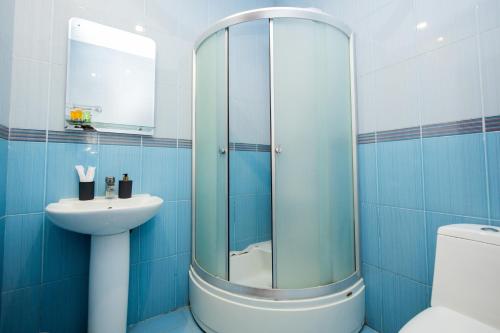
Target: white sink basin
(109,222)
(103,216)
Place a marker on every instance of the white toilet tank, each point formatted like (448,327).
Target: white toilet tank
(467,271)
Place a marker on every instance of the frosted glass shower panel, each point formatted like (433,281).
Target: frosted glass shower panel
(211,156)
(314,208)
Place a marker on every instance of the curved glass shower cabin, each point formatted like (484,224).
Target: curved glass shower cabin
(274,175)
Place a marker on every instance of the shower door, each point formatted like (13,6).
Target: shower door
(313,155)
(210,156)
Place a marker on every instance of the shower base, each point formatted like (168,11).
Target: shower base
(220,311)
(252,266)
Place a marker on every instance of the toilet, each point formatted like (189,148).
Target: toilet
(466,288)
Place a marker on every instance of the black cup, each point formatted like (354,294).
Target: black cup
(86,191)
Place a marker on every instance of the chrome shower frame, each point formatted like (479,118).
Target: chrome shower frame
(270,14)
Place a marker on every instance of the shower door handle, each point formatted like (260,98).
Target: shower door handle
(222,150)
(278,149)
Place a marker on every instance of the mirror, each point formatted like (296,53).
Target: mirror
(110,83)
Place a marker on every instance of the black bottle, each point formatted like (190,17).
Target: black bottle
(125,187)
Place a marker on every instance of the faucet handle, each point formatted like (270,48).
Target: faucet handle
(110,180)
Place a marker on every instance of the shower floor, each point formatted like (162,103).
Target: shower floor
(252,266)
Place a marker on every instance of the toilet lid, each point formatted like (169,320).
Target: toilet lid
(440,319)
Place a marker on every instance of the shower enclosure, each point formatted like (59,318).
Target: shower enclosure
(275,230)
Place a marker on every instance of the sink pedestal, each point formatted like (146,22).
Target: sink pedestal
(108,283)
(109,221)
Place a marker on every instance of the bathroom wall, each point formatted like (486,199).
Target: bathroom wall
(6,33)
(250,195)
(45,275)
(429,148)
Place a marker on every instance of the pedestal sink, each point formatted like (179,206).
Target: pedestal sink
(109,222)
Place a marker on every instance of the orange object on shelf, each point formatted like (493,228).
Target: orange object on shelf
(76,114)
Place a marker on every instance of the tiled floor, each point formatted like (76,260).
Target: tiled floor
(180,321)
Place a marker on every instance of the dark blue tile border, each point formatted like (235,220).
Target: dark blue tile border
(492,124)
(239,146)
(468,126)
(399,134)
(77,137)
(453,128)
(21,134)
(4,132)
(366,138)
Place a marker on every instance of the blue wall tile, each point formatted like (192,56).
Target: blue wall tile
(184,174)
(116,160)
(455,175)
(367,172)
(264,217)
(159,235)
(156,287)
(65,254)
(368,215)
(159,172)
(402,300)
(433,222)
(25,177)
(493,151)
(373,296)
(3,173)
(62,178)
(2,243)
(245,221)
(263,172)
(244,172)
(399,166)
(133,295)
(21,311)
(135,245)
(182,280)
(402,242)
(64,306)
(183,226)
(22,251)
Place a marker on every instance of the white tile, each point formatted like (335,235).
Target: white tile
(393,33)
(5,85)
(367,118)
(57,97)
(377,4)
(489,14)
(32,29)
(363,47)
(447,21)
(184,114)
(395,96)
(490,61)
(219,9)
(6,24)
(166,109)
(449,83)
(29,94)
(163,14)
(193,17)
(170,51)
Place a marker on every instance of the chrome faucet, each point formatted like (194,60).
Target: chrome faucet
(110,187)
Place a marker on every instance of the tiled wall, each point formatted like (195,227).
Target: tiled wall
(250,197)
(45,279)
(429,152)
(45,276)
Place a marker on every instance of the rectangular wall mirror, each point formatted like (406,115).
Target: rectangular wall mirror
(110,83)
